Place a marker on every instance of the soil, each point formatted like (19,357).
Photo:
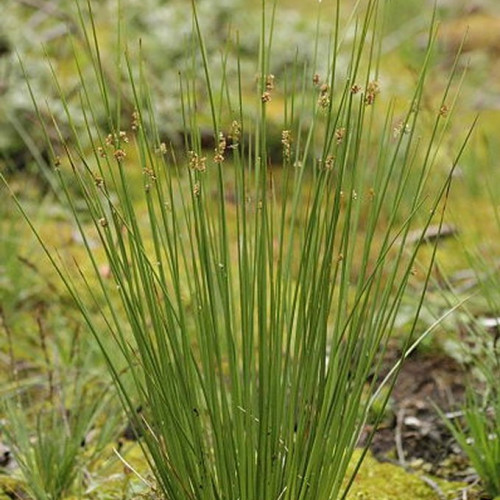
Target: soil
(413,434)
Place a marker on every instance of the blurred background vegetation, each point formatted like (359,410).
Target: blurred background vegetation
(43,32)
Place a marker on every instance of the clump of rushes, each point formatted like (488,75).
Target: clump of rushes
(252,305)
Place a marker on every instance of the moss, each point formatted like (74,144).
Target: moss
(385,481)
(11,487)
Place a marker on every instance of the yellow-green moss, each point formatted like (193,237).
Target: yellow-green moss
(10,486)
(385,481)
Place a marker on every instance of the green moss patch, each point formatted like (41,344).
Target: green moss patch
(386,481)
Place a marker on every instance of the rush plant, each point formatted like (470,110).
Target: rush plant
(249,297)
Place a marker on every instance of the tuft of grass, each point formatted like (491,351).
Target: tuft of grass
(57,416)
(48,442)
(248,305)
(478,434)
(476,427)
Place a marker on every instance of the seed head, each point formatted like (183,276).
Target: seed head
(149,172)
(119,155)
(355,89)
(401,128)
(339,135)
(135,121)
(372,90)
(329,162)
(221,149)
(266,97)
(114,140)
(324,96)
(196,162)
(286,140)
(161,149)
(99,181)
(235,133)
(270,83)
(123,136)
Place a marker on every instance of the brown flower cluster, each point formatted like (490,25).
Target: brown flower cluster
(197,162)
(329,162)
(266,96)
(115,142)
(372,90)
(356,89)
(161,149)
(443,111)
(136,122)
(119,154)
(286,140)
(235,134)
(324,96)
(340,135)
(220,149)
